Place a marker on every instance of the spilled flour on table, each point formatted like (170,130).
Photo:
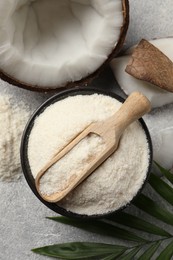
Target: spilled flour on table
(13,117)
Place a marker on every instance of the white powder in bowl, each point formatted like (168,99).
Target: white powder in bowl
(13,117)
(115,182)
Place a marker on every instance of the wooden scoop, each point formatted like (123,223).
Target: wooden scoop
(110,130)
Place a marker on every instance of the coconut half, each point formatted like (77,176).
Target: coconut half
(128,83)
(48,44)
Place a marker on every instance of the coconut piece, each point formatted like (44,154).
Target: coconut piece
(150,64)
(160,125)
(59,43)
(162,142)
(157,96)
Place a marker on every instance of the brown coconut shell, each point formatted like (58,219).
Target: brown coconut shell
(86,80)
(149,64)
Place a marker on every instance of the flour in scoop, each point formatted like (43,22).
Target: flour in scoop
(13,117)
(59,176)
(110,186)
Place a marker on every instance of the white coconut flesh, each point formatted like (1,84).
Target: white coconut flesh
(50,42)
(156,95)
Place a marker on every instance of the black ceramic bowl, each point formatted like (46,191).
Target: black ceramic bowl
(24,146)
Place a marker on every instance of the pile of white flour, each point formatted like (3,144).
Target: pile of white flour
(115,182)
(13,117)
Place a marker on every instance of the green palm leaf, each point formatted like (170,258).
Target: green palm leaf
(162,188)
(167,253)
(142,248)
(111,257)
(130,255)
(100,227)
(150,251)
(152,208)
(165,172)
(80,250)
(132,221)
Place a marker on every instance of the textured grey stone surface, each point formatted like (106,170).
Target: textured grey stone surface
(22,216)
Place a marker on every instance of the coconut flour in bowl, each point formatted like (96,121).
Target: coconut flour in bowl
(111,186)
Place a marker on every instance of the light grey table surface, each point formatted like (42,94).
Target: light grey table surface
(22,216)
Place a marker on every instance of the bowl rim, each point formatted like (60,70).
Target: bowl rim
(24,155)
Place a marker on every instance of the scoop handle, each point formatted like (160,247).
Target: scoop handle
(135,106)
